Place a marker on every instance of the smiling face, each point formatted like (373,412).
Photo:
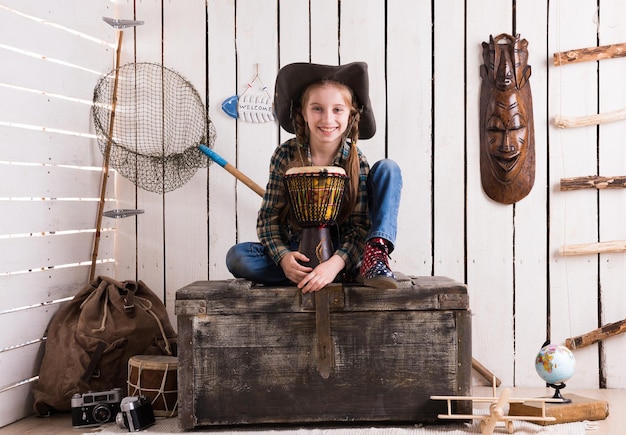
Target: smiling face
(506,137)
(326,109)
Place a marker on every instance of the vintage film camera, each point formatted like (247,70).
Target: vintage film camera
(95,408)
(136,413)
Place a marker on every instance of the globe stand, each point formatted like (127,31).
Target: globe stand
(557,392)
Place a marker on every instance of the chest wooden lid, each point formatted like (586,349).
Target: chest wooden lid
(241,296)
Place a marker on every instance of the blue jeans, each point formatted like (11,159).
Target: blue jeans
(250,260)
(384,186)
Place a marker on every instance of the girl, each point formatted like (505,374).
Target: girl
(328,109)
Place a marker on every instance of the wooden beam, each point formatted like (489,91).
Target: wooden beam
(584,121)
(590,54)
(594,248)
(608,330)
(593,182)
(485,372)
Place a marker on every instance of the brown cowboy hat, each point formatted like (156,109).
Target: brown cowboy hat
(293,79)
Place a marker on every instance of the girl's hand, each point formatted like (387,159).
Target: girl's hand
(323,274)
(294,271)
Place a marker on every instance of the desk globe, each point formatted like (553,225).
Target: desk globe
(555,364)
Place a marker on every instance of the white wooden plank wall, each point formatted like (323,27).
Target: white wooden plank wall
(530,216)
(424,60)
(612,207)
(574,282)
(50,175)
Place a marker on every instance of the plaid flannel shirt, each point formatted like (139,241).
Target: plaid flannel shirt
(278,237)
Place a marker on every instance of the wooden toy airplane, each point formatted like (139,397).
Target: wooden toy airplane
(496,410)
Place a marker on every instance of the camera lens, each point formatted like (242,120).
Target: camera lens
(120,419)
(102,414)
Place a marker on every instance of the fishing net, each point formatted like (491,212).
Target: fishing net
(153,120)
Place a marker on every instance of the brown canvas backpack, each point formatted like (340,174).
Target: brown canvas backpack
(92,337)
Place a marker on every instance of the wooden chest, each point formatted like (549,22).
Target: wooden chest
(251,354)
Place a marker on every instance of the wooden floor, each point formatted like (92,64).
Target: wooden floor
(613,425)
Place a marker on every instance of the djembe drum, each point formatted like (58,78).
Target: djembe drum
(315,195)
(156,377)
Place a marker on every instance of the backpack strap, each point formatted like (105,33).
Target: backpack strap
(129,298)
(95,359)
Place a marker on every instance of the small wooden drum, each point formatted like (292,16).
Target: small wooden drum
(315,195)
(156,377)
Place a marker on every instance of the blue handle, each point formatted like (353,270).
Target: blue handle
(213,155)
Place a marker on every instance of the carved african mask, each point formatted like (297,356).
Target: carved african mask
(507,148)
